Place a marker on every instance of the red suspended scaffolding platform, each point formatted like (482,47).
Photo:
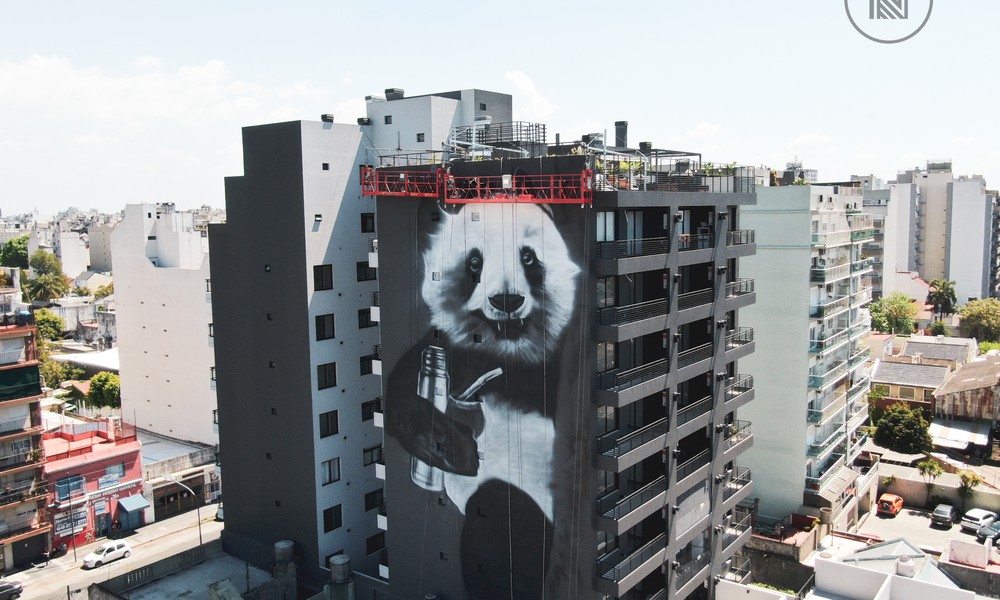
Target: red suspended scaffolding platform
(561,188)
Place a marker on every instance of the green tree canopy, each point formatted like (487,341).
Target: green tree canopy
(968,482)
(939,328)
(105,390)
(15,253)
(942,296)
(903,429)
(981,320)
(104,291)
(929,470)
(50,325)
(45,263)
(893,314)
(47,287)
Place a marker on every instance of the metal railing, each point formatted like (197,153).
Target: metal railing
(739,480)
(835,339)
(739,337)
(738,386)
(694,410)
(11,356)
(701,241)
(820,481)
(634,560)
(820,378)
(686,571)
(669,173)
(691,356)
(694,463)
(735,530)
(834,238)
(739,569)
(23,491)
(616,381)
(862,265)
(736,433)
(696,298)
(375,298)
(510,132)
(739,237)
(610,445)
(619,249)
(830,308)
(739,287)
(828,274)
(831,441)
(622,315)
(22,424)
(617,508)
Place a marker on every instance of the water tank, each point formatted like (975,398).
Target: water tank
(340,568)
(905,567)
(283,551)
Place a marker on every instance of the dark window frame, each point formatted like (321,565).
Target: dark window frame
(322,277)
(326,375)
(326,327)
(329,424)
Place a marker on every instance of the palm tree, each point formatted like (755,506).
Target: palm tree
(930,470)
(47,287)
(969,481)
(942,296)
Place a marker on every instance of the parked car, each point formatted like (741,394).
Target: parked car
(976,518)
(108,552)
(889,504)
(10,589)
(944,515)
(989,532)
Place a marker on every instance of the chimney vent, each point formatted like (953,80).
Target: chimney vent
(394,93)
(621,134)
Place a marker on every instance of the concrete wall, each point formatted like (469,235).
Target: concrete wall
(776,570)
(913,491)
(847,580)
(728,590)
(970,215)
(985,583)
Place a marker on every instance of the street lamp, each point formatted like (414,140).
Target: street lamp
(197,508)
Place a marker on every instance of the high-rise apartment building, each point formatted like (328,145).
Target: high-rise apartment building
(810,369)
(560,329)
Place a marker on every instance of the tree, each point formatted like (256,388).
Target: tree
(981,319)
(968,482)
(903,429)
(47,287)
(105,390)
(50,325)
(939,328)
(45,263)
(55,372)
(15,253)
(104,291)
(930,470)
(985,347)
(942,296)
(893,314)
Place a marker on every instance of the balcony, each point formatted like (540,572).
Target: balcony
(861,297)
(820,377)
(832,341)
(829,240)
(740,287)
(830,308)
(686,572)
(691,356)
(739,481)
(739,570)
(859,357)
(694,410)
(857,416)
(689,300)
(616,316)
(628,572)
(864,234)
(619,249)
(819,482)
(702,241)
(830,274)
(373,253)
(735,531)
(865,264)
(860,329)
(820,414)
(739,237)
(737,339)
(14,462)
(630,448)
(625,512)
(618,381)
(690,466)
(860,388)
(31,425)
(20,383)
(30,490)
(821,448)
(739,435)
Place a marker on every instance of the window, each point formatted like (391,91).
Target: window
(212,371)
(365,273)
(211,330)
(326,375)
(324,327)
(329,424)
(928,395)
(605,226)
(482,106)
(373,455)
(368,409)
(332,518)
(906,392)
(365,318)
(366,365)
(881,388)
(367,222)
(70,486)
(374,499)
(331,470)
(388,119)
(375,543)
(420,137)
(323,277)
(208,286)
(605,356)
(116,470)
(605,291)
(326,166)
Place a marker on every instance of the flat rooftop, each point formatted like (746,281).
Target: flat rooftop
(192,583)
(157,447)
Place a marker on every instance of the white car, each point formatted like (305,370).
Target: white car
(976,518)
(108,552)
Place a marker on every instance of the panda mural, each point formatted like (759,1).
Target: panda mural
(482,400)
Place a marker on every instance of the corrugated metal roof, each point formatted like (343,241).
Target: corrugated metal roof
(984,372)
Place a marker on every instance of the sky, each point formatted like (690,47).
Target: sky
(114,102)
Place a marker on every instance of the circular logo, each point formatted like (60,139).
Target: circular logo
(889,21)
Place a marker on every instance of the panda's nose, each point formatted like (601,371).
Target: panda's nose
(507,303)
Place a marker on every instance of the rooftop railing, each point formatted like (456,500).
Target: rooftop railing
(670,173)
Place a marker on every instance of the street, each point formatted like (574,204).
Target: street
(149,544)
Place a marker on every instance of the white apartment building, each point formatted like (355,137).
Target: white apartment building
(164,323)
(809,366)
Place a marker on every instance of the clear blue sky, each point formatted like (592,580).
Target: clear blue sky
(108,103)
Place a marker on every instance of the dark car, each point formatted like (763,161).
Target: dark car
(9,589)
(989,532)
(944,515)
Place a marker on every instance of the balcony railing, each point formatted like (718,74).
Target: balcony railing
(702,241)
(21,458)
(834,238)
(832,341)
(861,296)
(22,424)
(862,265)
(820,377)
(691,356)
(21,390)
(616,381)
(859,356)
(858,389)
(737,433)
(694,463)
(832,466)
(735,530)
(375,298)
(11,356)
(616,509)
(867,233)
(822,412)
(613,446)
(829,274)
(738,237)
(820,448)
(22,492)
(696,298)
(739,337)
(694,410)
(670,173)
(619,249)
(635,560)
(686,571)
(615,316)
(739,480)
(739,287)
(862,328)
(739,569)
(830,308)
(738,386)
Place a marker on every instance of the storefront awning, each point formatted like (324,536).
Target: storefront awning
(133,503)
(959,434)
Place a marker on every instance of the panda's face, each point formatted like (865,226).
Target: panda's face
(502,272)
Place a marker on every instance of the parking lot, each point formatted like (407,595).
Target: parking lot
(915,526)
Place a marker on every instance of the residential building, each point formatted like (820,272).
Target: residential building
(164,323)
(811,296)
(99,246)
(630,484)
(912,381)
(940,350)
(24,529)
(94,469)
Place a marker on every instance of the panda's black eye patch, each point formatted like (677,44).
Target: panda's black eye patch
(528,257)
(474,262)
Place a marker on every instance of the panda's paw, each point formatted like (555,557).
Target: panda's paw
(434,437)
